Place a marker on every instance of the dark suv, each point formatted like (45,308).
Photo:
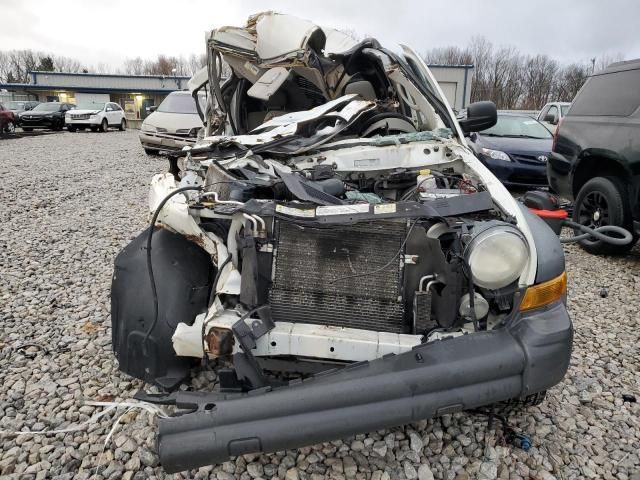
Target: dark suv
(596,153)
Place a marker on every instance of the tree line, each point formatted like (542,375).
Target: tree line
(513,80)
(503,75)
(15,65)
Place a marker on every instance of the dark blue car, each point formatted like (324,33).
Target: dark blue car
(515,149)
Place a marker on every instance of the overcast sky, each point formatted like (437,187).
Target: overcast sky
(110,31)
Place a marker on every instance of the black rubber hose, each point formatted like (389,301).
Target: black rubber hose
(152,281)
(598,233)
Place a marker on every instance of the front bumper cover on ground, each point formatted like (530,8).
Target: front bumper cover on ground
(433,379)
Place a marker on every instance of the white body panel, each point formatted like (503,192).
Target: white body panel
(299,339)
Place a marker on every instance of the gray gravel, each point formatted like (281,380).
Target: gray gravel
(69,202)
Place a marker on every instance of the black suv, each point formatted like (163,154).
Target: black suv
(596,153)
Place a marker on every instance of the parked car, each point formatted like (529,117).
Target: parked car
(45,115)
(515,149)
(96,116)
(7,120)
(19,106)
(172,125)
(596,153)
(343,250)
(552,113)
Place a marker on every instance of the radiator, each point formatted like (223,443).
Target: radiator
(312,276)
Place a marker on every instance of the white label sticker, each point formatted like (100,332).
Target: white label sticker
(343,209)
(366,162)
(384,208)
(296,212)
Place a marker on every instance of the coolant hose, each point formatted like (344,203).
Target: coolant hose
(599,233)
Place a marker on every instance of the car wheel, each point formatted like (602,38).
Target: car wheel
(603,201)
(27,129)
(10,128)
(104,126)
(123,125)
(71,129)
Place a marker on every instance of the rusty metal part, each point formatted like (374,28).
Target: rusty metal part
(219,342)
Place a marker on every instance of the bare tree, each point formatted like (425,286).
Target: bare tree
(5,67)
(67,64)
(196,62)
(448,56)
(569,81)
(606,59)
(515,81)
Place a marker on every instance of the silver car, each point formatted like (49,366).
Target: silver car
(172,125)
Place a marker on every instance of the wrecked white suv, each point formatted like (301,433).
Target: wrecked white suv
(334,246)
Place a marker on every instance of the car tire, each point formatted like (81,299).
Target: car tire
(123,125)
(10,127)
(27,129)
(71,129)
(104,126)
(603,201)
(151,152)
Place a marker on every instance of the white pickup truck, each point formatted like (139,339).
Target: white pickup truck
(552,113)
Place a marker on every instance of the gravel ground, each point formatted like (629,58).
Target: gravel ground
(70,202)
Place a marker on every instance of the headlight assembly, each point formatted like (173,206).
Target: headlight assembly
(148,128)
(496,154)
(497,254)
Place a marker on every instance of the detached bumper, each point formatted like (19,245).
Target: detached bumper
(433,379)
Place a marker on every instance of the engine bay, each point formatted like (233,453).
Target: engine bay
(345,263)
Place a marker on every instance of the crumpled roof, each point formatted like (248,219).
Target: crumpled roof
(271,38)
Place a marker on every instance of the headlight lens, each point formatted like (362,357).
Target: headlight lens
(148,128)
(497,255)
(496,154)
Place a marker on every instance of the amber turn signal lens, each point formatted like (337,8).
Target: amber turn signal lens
(545,293)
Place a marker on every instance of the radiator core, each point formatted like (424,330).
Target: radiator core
(317,276)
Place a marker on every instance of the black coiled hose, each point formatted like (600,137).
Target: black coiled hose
(598,233)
